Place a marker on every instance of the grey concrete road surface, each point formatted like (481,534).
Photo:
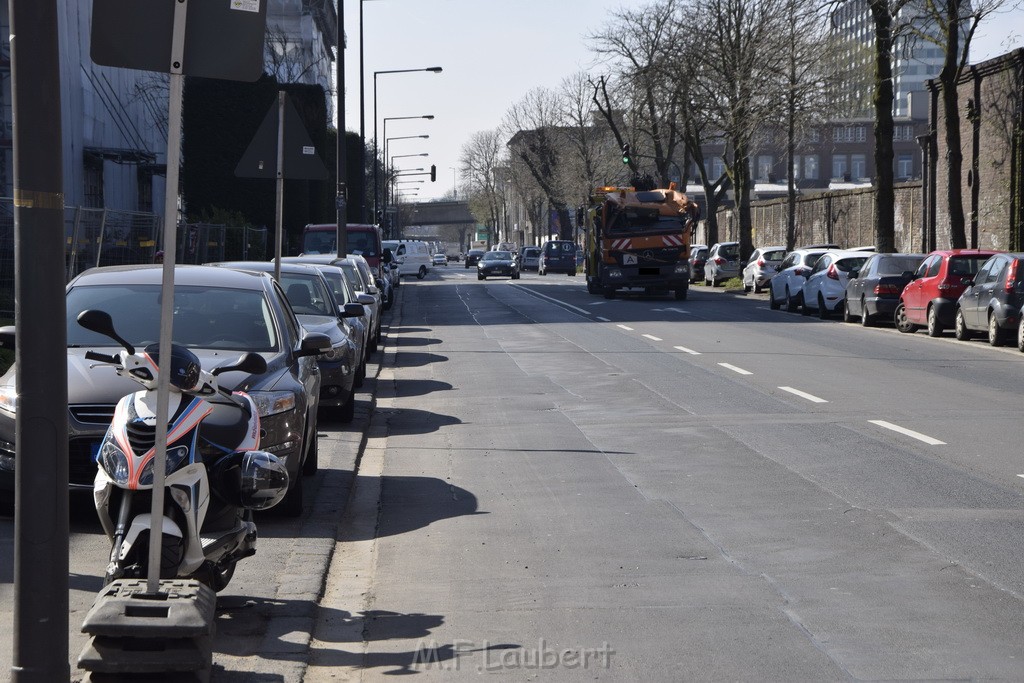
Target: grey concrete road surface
(566,487)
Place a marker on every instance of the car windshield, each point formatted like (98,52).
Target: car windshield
(340,287)
(362,243)
(962,266)
(204,317)
(774,256)
(897,265)
(847,264)
(640,219)
(531,253)
(498,256)
(729,251)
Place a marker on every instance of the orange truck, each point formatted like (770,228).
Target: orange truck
(639,239)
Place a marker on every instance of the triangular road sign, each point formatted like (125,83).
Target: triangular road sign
(301,162)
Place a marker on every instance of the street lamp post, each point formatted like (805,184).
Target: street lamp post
(391,166)
(388,140)
(455,184)
(376,185)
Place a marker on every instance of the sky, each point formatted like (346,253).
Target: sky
(492,54)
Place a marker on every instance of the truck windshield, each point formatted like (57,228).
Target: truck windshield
(638,219)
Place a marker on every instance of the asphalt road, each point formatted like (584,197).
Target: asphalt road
(552,484)
(646,489)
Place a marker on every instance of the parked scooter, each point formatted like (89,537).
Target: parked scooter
(215,476)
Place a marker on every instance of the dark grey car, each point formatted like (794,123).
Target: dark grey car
(992,301)
(219,313)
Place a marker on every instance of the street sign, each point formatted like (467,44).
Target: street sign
(301,161)
(224,39)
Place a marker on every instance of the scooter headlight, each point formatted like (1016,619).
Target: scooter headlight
(175,456)
(114,462)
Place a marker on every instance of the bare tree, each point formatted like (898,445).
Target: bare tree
(950,25)
(533,124)
(478,161)
(639,45)
(740,40)
(286,59)
(591,158)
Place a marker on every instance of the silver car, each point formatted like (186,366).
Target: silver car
(723,263)
(761,267)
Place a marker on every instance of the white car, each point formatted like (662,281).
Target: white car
(761,267)
(824,291)
(786,287)
(413,256)
(439,260)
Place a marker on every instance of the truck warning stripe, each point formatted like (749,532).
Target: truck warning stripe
(621,244)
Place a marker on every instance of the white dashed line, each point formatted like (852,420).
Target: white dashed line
(907,432)
(735,369)
(604,320)
(678,310)
(652,337)
(803,394)
(686,350)
(598,303)
(625,327)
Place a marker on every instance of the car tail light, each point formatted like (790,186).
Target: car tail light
(886,289)
(760,263)
(832,273)
(802,272)
(719,261)
(1011,275)
(946,285)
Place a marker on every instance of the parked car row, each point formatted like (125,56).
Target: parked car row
(316,329)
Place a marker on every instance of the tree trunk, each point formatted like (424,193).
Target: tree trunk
(741,188)
(885,195)
(791,173)
(951,118)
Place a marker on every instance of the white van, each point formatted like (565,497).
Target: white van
(412,256)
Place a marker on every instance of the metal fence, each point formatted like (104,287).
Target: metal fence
(105,237)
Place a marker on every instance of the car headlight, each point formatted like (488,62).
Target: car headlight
(114,462)
(175,456)
(9,400)
(273,402)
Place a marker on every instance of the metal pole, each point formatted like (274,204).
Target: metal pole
(40,638)
(279,195)
(376,193)
(341,199)
(163,385)
(362,114)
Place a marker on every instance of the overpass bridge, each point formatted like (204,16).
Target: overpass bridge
(437,213)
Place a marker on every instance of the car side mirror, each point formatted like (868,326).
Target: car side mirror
(352,310)
(372,290)
(854,274)
(967,282)
(387,256)
(314,344)
(365,300)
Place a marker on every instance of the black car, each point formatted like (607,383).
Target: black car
(698,257)
(497,263)
(992,301)
(557,256)
(473,256)
(873,292)
(219,313)
(312,298)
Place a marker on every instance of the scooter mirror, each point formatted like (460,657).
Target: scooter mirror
(100,322)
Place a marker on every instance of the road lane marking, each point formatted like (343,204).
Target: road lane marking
(551,299)
(625,327)
(686,350)
(907,432)
(741,371)
(652,337)
(678,310)
(1021,476)
(803,394)
(598,303)
(604,320)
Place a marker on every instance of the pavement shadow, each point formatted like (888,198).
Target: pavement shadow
(419,387)
(417,359)
(405,421)
(410,503)
(404,342)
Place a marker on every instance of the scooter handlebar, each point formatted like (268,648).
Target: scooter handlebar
(101,357)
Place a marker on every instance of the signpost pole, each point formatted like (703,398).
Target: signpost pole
(279,196)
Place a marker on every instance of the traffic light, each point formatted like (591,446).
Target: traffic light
(433,173)
(626,159)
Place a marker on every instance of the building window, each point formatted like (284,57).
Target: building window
(839,167)
(859,134)
(93,182)
(810,167)
(814,135)
(764,166)
(717,168)
(905,166)
(858,166)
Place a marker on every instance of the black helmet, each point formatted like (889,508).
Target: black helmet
(184,368)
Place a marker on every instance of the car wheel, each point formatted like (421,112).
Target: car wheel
(934,328)
(995,335)
(1020,335)
(804,308)
(707,282)
(772,303)
(681,294)
(847,316)
(312,461)
(360,374)
(715,283)
(291,506)
(757,288)
(960,330)
(347,411)
(823,311)
(865,318)
(609,292)
(480,277)
(541,271)
(901,321)
(421,273)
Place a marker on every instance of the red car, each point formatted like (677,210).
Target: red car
(929,300)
